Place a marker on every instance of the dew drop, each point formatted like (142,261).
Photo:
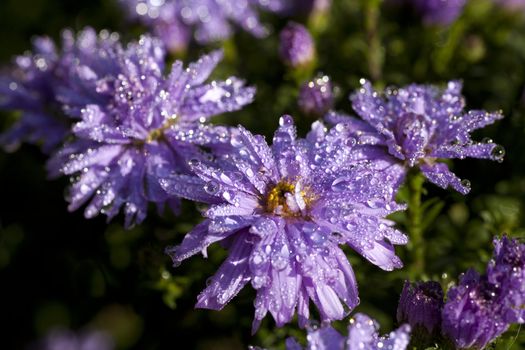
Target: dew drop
(498,152)
(351,142)
(466,183)
(237,141)
(236,176)
(211,187)
(285,120)
(193,162)
(339,184)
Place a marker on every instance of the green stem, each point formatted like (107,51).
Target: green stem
(415,227)
(375,50)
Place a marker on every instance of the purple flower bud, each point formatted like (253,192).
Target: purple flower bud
(316,97)
(296,46)
(420,306)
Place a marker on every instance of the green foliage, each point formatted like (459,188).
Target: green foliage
(57,269)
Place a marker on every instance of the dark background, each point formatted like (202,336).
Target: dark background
(58,269)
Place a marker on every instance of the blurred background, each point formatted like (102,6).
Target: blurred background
(58,269)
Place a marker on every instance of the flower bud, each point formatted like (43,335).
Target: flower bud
(296,45)
(316,96)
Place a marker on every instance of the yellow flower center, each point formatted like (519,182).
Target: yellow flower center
(157,134)
(277,200)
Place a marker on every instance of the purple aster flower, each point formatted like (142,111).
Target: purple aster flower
(29,87)
(34,85)
(472,316)
(438,12)
(136,124)
(68,340)
(511,4)
(282,212)
(296,45)
(481,308)
(362,334)
(296,7)
(421,124)
(316,97)
(420,306)
(174,21)
(507,270)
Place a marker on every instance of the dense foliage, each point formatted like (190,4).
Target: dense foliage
(59,270)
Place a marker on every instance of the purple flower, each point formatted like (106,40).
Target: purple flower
(282,212)
(296,7)
(135,124)
(174,21)
(316,97)
(421,124)
(362,334)
(507,270)
(296,45)
(38,79)
(420,306)
(68,340)
(29,87)
(472,315)
(481,308)
(438,12)
(511,4)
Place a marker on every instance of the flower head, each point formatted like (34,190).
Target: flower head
(296,7)
(511,4)
(136,124)
(420,124)
(482,307)
(507,270)
(316,97)
(174,21)
(35,84)
(439,12)
(68,340)
(420,306)
(296,45)
(282,212)
(472,315)
(362,334)
(30,88)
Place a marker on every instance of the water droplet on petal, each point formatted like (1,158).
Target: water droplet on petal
(466,183)
(193,162)
(497,153)
(236,176)
(285,120)
(211,187)
(339,184)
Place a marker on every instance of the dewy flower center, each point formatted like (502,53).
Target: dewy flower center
(287,199)
(158,133)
